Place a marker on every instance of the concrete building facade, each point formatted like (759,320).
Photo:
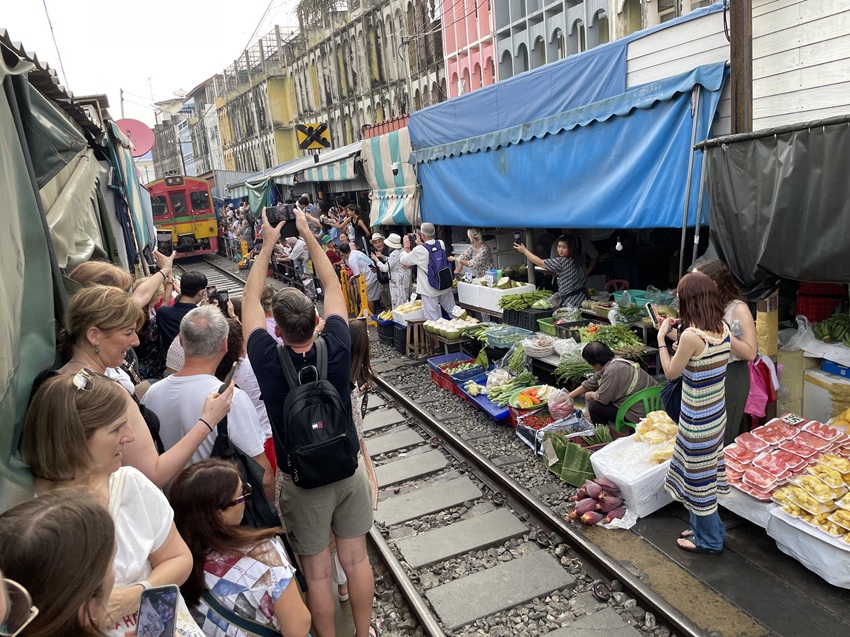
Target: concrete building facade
(470,45)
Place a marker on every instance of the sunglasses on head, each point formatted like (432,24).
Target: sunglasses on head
(21,612)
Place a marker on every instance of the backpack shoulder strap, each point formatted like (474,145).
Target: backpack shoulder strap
(322,358)
(287,366)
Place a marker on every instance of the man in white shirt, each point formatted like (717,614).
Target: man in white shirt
(179,398)
(361,265)
(432,299)
(295,252)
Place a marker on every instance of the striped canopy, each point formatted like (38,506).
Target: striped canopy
(395,197)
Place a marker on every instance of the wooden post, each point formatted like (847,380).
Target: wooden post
(741,27)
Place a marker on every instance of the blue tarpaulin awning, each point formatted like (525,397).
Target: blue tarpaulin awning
(621,162)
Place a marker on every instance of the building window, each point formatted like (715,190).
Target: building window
(667,10)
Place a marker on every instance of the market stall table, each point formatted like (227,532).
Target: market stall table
(553,360)
(472,308)
(603,318)
(451,341)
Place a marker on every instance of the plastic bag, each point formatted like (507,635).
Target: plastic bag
(515,360)
(803,336)
(653,294)
(560,404)
(569,348)
(568,313)
(498,376)
(625,299)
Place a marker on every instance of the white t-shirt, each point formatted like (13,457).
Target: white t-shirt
(419,257)
(246,380)
(360,263)
(143,521)
(179,400)
(121,377)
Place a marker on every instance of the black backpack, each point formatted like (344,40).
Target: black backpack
(317,427)
(259,512)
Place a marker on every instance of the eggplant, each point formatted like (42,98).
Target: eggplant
(609,504)
(593,490)
(591,517)
(614,514)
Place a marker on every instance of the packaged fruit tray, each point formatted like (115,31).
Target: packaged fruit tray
(841,518)
(809,504)
(839,463)
(832,478)
(818,489)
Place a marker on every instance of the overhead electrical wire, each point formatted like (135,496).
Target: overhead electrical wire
(55,44)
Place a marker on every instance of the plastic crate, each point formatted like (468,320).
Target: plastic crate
(482,402)
(570,329)
(435,362)
(385,328)
(637,296)
(400,338)
(386,339)
(546,325)
(526,319)
(507,336)
(441,381)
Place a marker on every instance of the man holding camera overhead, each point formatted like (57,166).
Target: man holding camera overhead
(432,299)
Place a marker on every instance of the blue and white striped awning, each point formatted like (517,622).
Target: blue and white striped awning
(395,197)
(334,165)
(238,192)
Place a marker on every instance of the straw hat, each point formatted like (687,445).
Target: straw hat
(393,241)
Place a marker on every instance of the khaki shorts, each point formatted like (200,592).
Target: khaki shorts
(309,515)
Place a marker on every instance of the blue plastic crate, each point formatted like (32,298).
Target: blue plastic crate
(482,402)
(505,336)
(435,362)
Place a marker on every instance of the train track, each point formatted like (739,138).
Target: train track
(473,550)
(216,274)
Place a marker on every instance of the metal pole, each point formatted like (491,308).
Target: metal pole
(121,90)
(695,114)
(529,241)
(699,208)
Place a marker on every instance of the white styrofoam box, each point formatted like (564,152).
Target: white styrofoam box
(469,293)
(628,464)
(402,319)
(824,395)
(489,297)
(508,258)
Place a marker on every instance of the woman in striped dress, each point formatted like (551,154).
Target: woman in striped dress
(697,472)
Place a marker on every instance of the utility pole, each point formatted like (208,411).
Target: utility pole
(121,90)
(741,26)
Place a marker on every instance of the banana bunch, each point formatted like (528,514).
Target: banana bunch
(835,329)
(386,315)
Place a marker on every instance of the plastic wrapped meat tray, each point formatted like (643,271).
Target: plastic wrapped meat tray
(815,442)
(739,454)
(749,442)
(821,430)
(775,432)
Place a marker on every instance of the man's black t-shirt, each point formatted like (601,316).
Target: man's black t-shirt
(168,319)
(262,352)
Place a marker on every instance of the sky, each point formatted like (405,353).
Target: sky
(147,48)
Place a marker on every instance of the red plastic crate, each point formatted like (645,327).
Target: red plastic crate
(822,289)
(816,308)
(442,381)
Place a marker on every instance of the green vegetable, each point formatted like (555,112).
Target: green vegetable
(619,338)
(542,304)
(482,359)
(518,302)
(516,362)
(572,369)
(601,435)
(501,394)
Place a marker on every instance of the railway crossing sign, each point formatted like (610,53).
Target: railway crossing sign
(313,136)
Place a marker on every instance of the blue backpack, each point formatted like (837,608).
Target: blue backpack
(440,275)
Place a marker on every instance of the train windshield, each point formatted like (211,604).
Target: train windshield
(178,202)
(200,200)
(159,205)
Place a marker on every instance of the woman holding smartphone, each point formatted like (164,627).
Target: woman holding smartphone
(697,471)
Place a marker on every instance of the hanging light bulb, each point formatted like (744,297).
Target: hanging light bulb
(619,246)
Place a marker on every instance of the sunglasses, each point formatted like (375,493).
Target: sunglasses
(83,380)
(21,610)
(246,493)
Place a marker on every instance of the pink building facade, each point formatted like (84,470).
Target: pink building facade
(468,43)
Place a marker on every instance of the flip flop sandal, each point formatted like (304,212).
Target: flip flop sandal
(686,534)
(698,549)
(373,632)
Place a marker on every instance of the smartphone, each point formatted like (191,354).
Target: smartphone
(223,298)
(412,239)
(653,314)
(212,293)
(229,377)
(517,237)
(158,612)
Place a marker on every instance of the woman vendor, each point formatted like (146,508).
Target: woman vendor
(476,257)
(614,381)
(568,267)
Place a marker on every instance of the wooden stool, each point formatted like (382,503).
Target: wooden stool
(418,344)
